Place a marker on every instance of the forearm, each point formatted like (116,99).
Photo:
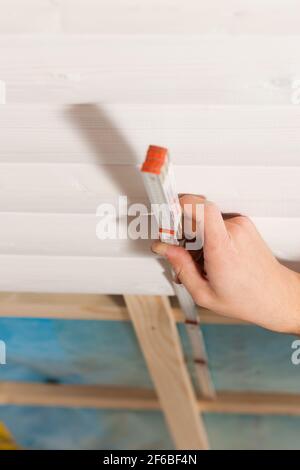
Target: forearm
(291,308)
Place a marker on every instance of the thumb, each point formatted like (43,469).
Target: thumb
(186,271)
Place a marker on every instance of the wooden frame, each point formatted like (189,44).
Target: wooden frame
(97,396)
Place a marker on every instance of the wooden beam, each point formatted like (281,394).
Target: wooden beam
(159,340)
(101,397)
(74,396)
(208,317)
(63,306)
(85,307)
(253,403)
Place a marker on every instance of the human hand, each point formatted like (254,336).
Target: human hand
(240,277)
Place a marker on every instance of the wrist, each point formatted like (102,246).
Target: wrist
(292,312)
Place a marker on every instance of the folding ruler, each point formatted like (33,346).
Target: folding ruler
(159,182)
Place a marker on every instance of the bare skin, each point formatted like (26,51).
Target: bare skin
(242,278)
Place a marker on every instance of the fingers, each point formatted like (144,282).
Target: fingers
(215,233)
(215,239)
(186,271)
(189,204)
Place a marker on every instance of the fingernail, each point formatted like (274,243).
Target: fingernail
(180,195)
(159,248)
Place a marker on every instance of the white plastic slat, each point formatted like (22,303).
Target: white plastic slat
(77,188)
(151,17)
(187,69)
(119,134)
